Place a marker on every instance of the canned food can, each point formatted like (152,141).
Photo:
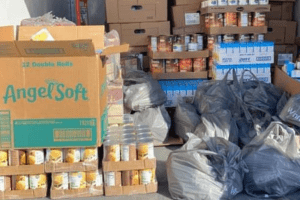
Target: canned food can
(153,178)
(20,182)
(72,155)
(157,66)
(257,38)
(172,66)
(200,42)
(222,3)
(153,43)
(213,20)
(210,42)
(219,38)
(128,149)
(230,19)
(210,63)
(207,21)
(199,64)
(145,149)
(60,181)
(94,178)
(146,176)
(243,19)
(125,178)
(22,157)
(243,2)
(3,158)
(112,150)
(169,43)
(38,181)
(2,183)
(77,180)
(219,20)
(162,43)
(88,154)
(232,2)
(212,3)
(187,40)
(134,177)
(54,155)
(110,178)
(244,38)
(193,46)
(258,19)
(263,2)
(253,2)
(35,157)
(228,38)
(185,65)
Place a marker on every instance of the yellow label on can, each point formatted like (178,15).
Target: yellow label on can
(21,182)
(3,158)
(38,181)
(35,157)
(54,155)
(22,157)
(89,154)
(60,181)
(72,155)
(134,177)
(77,180)
(93,178)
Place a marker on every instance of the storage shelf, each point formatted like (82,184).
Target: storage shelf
(178,55)
(236,30)
(180,75)
(238,8)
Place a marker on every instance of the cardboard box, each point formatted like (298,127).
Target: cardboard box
(70,194)
(286,83)
(281,11)
(130,190)
(236,30)
(23,194)
(71,167)
(186,15)
(22,169)
(124,11)
(238,8)
(180,75)
(178,55)
(285,52)
(187,30)
(50,100)
(136,34)
(185,2)
(281,32)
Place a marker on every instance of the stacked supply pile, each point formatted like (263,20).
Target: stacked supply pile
(282,30)
(234,20)
(292,69)
(186,17)
(256,57)
(128,162)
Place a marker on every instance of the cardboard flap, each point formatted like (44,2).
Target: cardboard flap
(286,83)
(8,49)
(56,48)
(71,167)
(7,33)
(117,49)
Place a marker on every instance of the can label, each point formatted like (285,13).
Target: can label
(243,20)
(185,65)
(263,2)
(21,182)
(22,157)
(232,2)
(146,176)
(125,153)
(110,178)
(200,42)
(72,155)
(230,19)
(243,2)
(154,44)
(3,158)
(113,153)
(93,178)
(54,155)
(172,66)
(177,48)
(199,64)
(77,180)
(212,2)
(260,37)
(2,183)
(35,157)
(192,19)
(134,177)
(38,181)
(193,46)
(222,2)
(187,40)
(253,2)
(60,181)
(156,67)
(88,154)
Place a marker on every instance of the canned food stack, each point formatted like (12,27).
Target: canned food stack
(74,172)
(183,49)
(22,174)
(129,163)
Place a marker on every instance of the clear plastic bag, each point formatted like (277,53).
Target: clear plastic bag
(47,19)
(291,111)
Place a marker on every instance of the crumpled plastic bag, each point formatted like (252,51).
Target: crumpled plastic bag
(157,119)
(47,19)
(273,163)
(291,111)
(141,91)
(208,169)
(186,119)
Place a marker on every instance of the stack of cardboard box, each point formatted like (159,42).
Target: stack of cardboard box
(136,20)
(186,17)
(282,30)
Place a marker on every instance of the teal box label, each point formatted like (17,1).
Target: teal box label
(43,133)
(104,124)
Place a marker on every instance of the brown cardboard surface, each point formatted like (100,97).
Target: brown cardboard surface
(71,167)
(118,49)
(180,75)
(275,12)
(113,190)
(64,33)
(286,83)
(7,33)
(285,49)
(124,11)
(236,30)
(187,30)
(171,141)
(129,33)
(281,32)
(239,8)
(185,2)
(22,169)
(178,13)
(178,55)
(24,194)
(287,11)
(282,0)
(141,49)
(128,165)
(70,194)
(136,189)
(130,190)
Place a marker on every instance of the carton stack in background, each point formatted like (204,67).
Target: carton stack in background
(186,17)
(282,30)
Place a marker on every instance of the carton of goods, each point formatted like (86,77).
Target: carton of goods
(186,2)
(281,11)
(23,186)
(129,163)
(285,82)
(76,184)
(123,11)
(186,15)
(49,99)
(71,160)
(281,31)
(18,162)
(285,53)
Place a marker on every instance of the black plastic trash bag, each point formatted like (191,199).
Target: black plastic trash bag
(186,119)
(208,169)
(273,163)
(291,111)
(141,91)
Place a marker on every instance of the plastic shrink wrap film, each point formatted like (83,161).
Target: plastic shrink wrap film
(273,163)
(113,62)
(47,19)
(291,111)
(209,169)
(141,91)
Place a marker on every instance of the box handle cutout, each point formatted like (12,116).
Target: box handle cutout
(136,7)
(270,30)
(139,31)
(240,9)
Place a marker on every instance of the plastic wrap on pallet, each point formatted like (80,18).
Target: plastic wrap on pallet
(47,19)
